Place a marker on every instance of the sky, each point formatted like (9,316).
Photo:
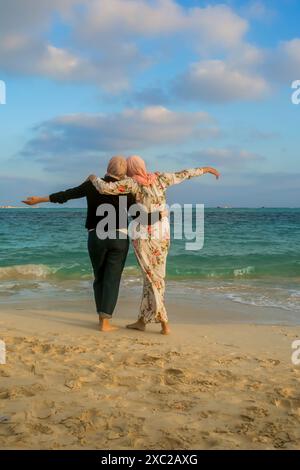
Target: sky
(181,83)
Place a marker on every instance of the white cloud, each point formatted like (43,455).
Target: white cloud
(246,56)
(283,63)
(105,35)
(247,73)
(258,10)
(79,136)
(228,157)
(218,81)
(22,55)
(215,25)
(30,16)
(106,39)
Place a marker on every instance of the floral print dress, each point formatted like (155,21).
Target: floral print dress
(151,251)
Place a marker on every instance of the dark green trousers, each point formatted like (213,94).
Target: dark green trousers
(108,259)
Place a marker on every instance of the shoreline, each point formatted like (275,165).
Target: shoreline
(184,306)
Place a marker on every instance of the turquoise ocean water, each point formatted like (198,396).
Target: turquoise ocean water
(249,256)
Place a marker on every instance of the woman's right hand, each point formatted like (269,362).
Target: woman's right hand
(212,171)
(32,200)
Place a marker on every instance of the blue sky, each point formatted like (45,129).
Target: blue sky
(182,83)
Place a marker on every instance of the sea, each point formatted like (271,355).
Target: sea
(249,256)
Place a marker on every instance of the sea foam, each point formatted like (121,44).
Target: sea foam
(25,271)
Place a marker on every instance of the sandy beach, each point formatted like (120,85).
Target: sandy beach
(149,170)
(206,386)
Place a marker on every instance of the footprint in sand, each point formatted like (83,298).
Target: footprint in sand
(152,360)
(287,392)
(125,379)
(269,362)
(207,414)
(292,404)
(52,349)
(227,374)
(282,439)
(44,410)
(288,397)
(4,373)
(204,385)
(256,411)
(173,440)
(231,359)
(32,368)
(15,392)
(182,405)
(171,354)
(174,376)
(42,428)
(146,343)
(75,383)
(4,419)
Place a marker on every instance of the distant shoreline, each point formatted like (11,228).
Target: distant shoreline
(17,207)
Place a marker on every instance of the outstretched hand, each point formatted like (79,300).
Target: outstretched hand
(212,171)
(32,200)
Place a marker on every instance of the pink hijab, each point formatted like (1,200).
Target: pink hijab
(136,169)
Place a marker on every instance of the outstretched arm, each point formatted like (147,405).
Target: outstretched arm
(125,186)
(168,179)
(60,197)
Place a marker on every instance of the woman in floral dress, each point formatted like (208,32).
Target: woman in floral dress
(150,241)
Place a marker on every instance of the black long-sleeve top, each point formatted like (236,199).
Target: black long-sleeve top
(94,200)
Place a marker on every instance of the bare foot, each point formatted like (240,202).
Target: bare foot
(165,329)
(105,326)
(138,325)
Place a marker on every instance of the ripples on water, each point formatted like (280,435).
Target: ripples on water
(250,256)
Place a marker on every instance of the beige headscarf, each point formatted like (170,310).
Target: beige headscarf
(117,167)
